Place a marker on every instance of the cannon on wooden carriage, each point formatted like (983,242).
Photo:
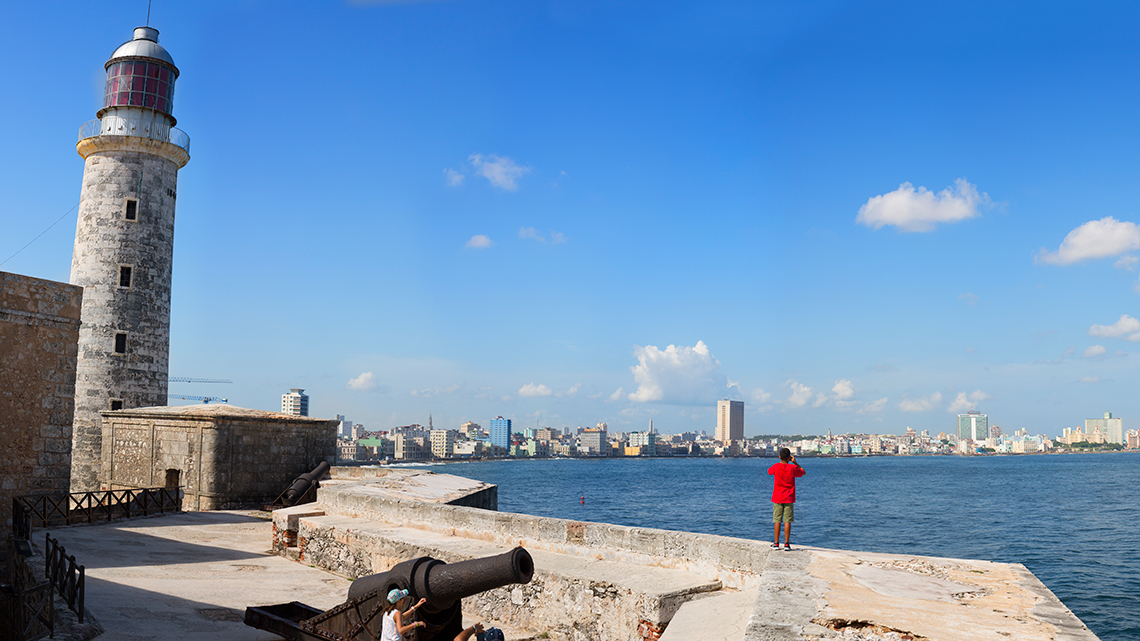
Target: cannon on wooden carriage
(444,585)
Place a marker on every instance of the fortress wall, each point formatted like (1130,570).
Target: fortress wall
(736,563)
(39,334)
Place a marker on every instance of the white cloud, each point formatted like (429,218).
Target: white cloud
(921,404)
(843,390)
(1136,286)
(1090,379)
(760,396)
(617,394)
(921,210)
(479,241)
(570,392)
(500,171)
(366,382)
(436,391)
(677,374)
(801,394)
(873,406)
(530,389)
(1094,350)
(1127,261)
(1094,239)
(966,402)
(452,177)
(556,238)
(969,297)
(1127,328)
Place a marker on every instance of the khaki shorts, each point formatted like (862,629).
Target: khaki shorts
(783,512)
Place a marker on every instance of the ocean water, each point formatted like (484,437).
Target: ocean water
(1073,520)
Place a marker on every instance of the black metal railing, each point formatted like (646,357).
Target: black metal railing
(65,574)
(47,510)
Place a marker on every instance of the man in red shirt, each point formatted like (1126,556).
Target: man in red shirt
(784,495)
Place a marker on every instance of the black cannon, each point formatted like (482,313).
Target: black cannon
(303,489)
(442,584)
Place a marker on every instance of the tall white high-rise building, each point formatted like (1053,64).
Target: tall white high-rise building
(295,402)
(729,420)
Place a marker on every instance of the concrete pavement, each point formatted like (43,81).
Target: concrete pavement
(189,575)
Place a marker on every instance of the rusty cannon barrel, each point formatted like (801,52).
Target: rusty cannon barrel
(442,584)
(360,618)
(301,486)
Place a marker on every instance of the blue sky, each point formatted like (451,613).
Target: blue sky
(852,216)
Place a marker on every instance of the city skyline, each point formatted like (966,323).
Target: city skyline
(539,211)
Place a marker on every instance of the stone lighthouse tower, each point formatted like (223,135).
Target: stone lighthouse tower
(124,243)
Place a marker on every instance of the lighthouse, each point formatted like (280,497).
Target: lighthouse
(124,245)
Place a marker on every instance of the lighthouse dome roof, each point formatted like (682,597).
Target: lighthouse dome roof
(143,45)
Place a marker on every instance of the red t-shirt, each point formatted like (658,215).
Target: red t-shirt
(784,489)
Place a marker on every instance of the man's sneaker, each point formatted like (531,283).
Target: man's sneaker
(788,547)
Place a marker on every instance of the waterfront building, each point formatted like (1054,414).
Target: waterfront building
(1132,439)
(124,246)
(443,443)
(594,441)
(470,429)
(501,432)
(411,448)
(645,443)
(296,402)
(1111,428)
(729,420)
(973,426)
(548,434)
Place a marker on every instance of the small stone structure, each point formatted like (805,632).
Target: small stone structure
(222,456)
(39,334)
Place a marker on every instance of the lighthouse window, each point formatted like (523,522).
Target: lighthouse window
(131,209)
(121,343)
(142,84)
(124,276)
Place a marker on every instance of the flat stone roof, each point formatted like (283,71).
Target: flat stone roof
(214,411)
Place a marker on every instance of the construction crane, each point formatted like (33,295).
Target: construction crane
(182,379)
(204,399)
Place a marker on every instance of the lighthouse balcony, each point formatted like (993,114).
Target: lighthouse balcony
(153,129)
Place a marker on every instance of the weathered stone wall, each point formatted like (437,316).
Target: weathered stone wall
(105,241)
(39,330)
(222,456)
(736,563)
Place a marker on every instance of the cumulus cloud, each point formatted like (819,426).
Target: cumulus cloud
(1090,379)
(1095,239)
(530,389)
(1127,328)
(966,402)
(500,171)
(617,394)
(760,396)
(1127,261)
(677,374)
(873,406)
(570,392)
(366,382)
(452,178)
(479,241)
(921,404)
(921,210)
(801,394)
(843,390)
(1094,350)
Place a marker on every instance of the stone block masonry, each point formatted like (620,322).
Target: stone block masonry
(39,333)
(222,456)
(124,246)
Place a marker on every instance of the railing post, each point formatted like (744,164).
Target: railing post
(79,601)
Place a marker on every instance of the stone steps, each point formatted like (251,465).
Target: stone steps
(717,616)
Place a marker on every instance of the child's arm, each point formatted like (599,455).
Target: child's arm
(400,627)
